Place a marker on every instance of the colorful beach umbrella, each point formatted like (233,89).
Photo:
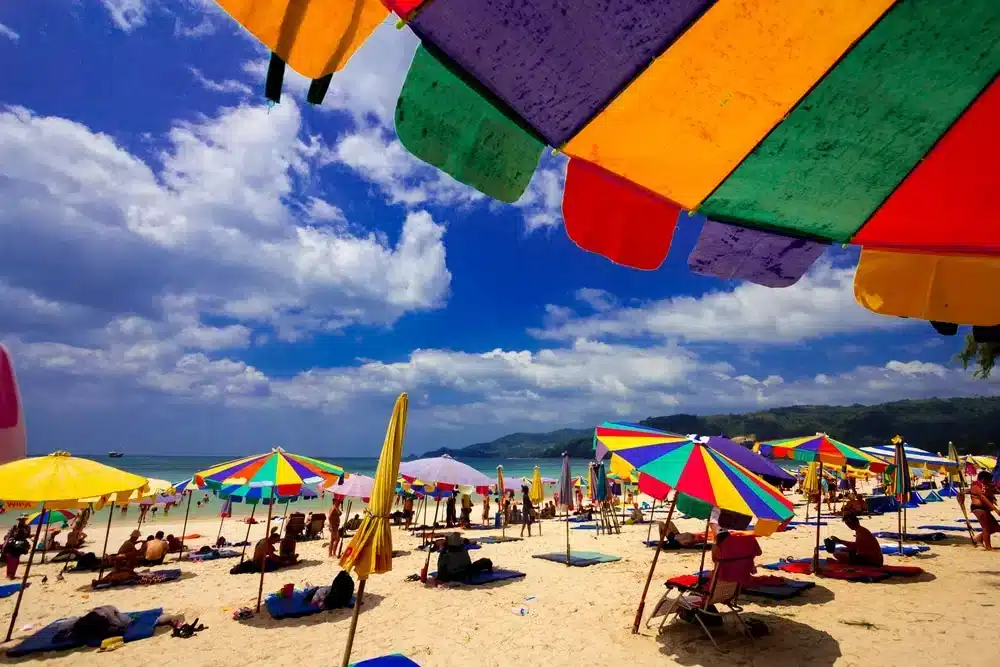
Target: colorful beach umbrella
(370,550)
(13,440)
(50,517)
(915,457)
(59,477)
(901,486)
(281,473)
(354,486)
(822,448)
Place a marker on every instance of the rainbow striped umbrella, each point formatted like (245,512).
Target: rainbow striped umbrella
(277,474)
(50,517)
(822,448)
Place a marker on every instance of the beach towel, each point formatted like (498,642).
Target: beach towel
(577,519)
(198,557)
(578,558)
(396,660)
(468,547)
(586,526)
(765,586)
(145,579)
(806,523)
(950,529)
(915,537)
(10,589)
(675,546)
(142,626)
(295,606)
(893,549)
(486,577)
(496,539)
(836,570)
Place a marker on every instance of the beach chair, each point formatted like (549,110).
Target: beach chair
(734,569)
(317,522)
(296,524)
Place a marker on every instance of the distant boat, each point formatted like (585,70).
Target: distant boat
(116,455)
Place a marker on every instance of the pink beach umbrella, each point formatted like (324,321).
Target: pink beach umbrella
(353,486)
(13,441)
(445,471)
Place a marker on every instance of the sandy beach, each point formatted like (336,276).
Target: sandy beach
(575,615)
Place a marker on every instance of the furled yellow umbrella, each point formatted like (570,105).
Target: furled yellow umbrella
(811,484)
(537,494)
(59,478)
(370,550)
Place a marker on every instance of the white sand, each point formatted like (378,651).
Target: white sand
(579,616)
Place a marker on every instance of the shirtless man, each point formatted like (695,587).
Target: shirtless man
(156,550)
(864,550)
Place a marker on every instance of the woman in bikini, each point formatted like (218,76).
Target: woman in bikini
(983,505)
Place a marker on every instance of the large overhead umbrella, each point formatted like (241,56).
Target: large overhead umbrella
(915,457)
(370,550)
(277,476)
(13,441)
(59,478)
(690,467)
(445,471)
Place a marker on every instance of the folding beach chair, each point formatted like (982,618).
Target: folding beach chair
(734,569)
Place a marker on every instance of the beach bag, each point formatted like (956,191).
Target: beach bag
(341,591)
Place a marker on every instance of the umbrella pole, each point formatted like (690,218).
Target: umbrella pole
(221,521)
(263,561)
(354,624)
(819,514)
(346,516)
(568,563)
(899,527)
(107,531)
(704,549)
(427,562)
(247,538)
(46,518)
(24,579)
(651,512)
(184,529)
(652,568)
(285,515)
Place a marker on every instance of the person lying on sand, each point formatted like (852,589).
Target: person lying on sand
(864,550)
(672,536)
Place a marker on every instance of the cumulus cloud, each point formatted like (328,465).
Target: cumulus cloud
(127,15)
(7,33)
(819,305)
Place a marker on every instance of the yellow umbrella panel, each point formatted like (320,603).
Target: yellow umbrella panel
(371,548)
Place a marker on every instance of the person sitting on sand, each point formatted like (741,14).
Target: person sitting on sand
(855,505)
(354,523)
(454,563)
(636,516)
(50,540)
(76,537)
(263,553)
(983,505)
(864,550)
(286,549)
(174,545)
(156,550)
(124,563)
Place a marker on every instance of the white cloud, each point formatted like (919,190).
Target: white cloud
(8,33)
(228,86)
(127,15)
(213,225)
(541,203)
(820,304)
(204,28)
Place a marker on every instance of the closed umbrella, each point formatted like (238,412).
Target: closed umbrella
(537,494)
(566,496)
(59,478)
(811,485)
(370,550)
(901,487)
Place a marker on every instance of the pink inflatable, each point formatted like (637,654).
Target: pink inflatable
(13,442)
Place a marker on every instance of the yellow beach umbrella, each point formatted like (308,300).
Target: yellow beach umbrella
(59,477)
(370,551)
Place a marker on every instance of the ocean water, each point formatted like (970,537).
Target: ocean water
(206,505)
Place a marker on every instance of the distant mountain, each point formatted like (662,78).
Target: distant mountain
(973,424)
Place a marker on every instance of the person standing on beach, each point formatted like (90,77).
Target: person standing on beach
(983,505)
(528,511)
(486,508)
(334,520)
(408,510)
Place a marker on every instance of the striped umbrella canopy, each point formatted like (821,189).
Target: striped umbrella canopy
(823,449)
(187,486)
(901,484)
(276,474)
(50,517)
(262,495)
(915,457)
(691,467)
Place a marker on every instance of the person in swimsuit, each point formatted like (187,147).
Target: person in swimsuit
(333,521)
(864,550)
(983,505)
(528,511)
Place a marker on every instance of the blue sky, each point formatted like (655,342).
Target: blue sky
(184,270)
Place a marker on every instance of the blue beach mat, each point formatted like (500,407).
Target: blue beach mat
(480,578)
(196,557)
(585,526)
(675,547)
(577,519)
(10,589)
(950,529)
(468,547)
(142,626)
(893,549)
(496,539)
(806,523)
(579,558)
(915,537)
(295,606)
(146,579)
(396,660)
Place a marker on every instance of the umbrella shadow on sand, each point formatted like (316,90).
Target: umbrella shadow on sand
(87,588)
(263,619)
(818,594)
(788,642)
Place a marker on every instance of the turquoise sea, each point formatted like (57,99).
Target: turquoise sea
(178,468)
